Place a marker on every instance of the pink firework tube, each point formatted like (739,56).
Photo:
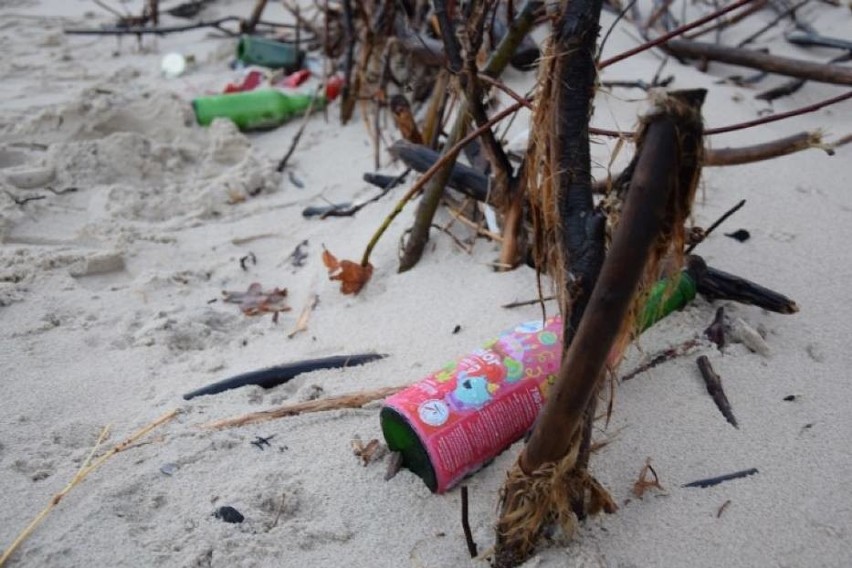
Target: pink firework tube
(457,419)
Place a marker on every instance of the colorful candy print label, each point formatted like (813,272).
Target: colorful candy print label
(471,410)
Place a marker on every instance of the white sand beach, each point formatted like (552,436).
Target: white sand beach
(111,309)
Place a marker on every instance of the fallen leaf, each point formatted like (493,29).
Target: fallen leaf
(369,452)
(352,275)
(302,322)
(643,484)
(255,301)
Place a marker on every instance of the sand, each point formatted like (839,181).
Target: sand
(110,303)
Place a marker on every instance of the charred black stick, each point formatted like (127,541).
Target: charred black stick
(801,37)
(714,387)
(448,34)
(463,178)
(717,284)
(280,374)
(711,481)
(468,535)
(385,181)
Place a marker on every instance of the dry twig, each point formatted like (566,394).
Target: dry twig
(89,465)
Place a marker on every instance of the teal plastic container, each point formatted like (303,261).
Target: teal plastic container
(255,50)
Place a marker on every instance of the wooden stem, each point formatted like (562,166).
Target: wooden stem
(823,72)
(256,13)
(354,400)
(765,151)
(642,219)
(672,34)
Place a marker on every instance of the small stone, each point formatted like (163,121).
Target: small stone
(102,263)
(169,468)
(229,514)
(31,177)
(749,336)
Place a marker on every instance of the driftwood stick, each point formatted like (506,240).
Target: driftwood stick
(781,115)
(88,467)
(256,13)
(789,87)
(801,37)
(672,34)
(821,72)
(641,221)
(354,400)
(757,6)
(764,151)
(512,249)
(714,387)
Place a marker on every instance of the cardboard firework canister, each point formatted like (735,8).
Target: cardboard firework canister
(457,419)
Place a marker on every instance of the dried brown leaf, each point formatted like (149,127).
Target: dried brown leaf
(352,275)
(369,452)
(643,483)
(255,301)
